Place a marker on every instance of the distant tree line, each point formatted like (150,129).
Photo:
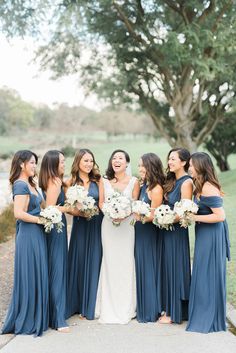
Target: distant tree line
(17,115)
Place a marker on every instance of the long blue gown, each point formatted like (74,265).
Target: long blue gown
(85,254)
(28,311)
(57,271)
(176,264)
(147,263)
(207,303)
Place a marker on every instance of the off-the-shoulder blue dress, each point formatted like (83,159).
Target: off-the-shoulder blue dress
(207,303)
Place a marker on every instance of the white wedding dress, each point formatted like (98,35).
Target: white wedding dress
(116,297)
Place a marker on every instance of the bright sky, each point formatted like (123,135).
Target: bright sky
(34,86)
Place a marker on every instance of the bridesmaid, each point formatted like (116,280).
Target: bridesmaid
(148,241)
(85,250)
(51,182)
(28,311)
(207,303)
(176,257)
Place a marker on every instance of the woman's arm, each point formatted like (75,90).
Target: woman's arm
(21,203)
(187,189)
(156,196)
(218,214)
(53,191)
(101,193)
(136,190)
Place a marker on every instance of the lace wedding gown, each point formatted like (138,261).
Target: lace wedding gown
(116,298)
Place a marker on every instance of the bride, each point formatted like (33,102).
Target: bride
(116,298)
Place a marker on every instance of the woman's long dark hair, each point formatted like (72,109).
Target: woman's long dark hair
(94,175)
(205,172)
(49,168)
(184,156)
(110,174)
(20,157)
(154,170)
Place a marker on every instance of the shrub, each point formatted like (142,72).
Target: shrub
(69,151)
(7,224)
(6,155)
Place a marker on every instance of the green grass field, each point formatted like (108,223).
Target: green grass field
(102,150)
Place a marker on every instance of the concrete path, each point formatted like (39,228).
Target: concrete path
(92,337)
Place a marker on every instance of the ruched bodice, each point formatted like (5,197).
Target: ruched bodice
(175,194)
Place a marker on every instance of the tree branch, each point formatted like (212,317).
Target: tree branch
(210,125)
(129,25)
(207,11)
(140,12)
(156,120)
(220,15)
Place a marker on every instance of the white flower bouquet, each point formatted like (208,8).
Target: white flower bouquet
(75,194)
(141,208)
(164,217)
(117,207)
(51,217)
(184,209)
(89,208)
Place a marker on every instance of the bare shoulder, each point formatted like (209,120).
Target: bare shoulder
(210,190)
(54,183)
(188,181)
(187,184)
(157,190)
(68,182)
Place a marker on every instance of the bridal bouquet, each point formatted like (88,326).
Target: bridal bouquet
(75,194)
(51,217)
(164,217)
(117,207)
(184,209)
(141,208)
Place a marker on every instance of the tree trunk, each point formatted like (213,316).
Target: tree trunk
(222,163)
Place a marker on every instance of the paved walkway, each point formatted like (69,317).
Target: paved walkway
(92,337)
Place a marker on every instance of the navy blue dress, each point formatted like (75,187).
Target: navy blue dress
(207,303)
(28,311)
(176,264)
(147,263)
(85,254)
(57,271)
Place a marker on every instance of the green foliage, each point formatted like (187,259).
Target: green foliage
(157,55)
(228,181)
(14,113)
(69,151)
(7,224)
(222,142)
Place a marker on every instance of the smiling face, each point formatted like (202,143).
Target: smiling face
(61,166)
(29,167)
(119,162)
(141,169)
(86,163)
(174,162)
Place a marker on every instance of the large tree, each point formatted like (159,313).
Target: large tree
(163,55)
